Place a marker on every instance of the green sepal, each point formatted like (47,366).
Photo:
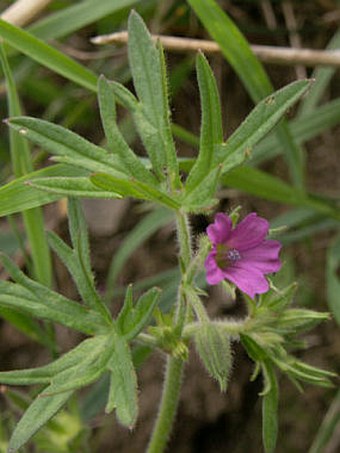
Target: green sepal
(213,347)
(297,320)
(278,300)
(300,371)
(255,352)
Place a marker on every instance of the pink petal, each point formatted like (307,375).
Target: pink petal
(214,273)
(264,257)
(220,230)
(250,281)
(249,233)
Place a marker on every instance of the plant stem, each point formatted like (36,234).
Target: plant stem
(168,406)
(175,365)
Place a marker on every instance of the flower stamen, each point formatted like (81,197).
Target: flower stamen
(226,256)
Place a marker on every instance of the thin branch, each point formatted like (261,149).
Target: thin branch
(24,11)
(294,37)
(267,54)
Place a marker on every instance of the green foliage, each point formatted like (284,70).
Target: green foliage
(270,402)
(77,260)
(22,164)
(46,55)
(269,337)
(238,53)
(213,347)
(107,351)
(133,166)
(115,347)
(123,384)
(132,319)
(211,128)
(149,78)
(74,17)
(146,227)
(333,281)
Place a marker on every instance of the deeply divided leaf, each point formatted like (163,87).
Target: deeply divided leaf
(123,384)
(211,122)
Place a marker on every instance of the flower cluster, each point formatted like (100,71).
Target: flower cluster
(242,255)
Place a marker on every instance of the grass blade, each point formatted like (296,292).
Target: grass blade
(68,20)
(239,54)
(48,56)
(22,164)
(333,280)
(140,233)
(270,402)
(234,47)
(328,428)
(257,182)
(18,195)
(322,76)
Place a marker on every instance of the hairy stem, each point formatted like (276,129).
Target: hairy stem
(168,405)
(175,365)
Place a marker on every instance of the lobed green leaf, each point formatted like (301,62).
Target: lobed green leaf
(148,72)
(44,374)
(238,53)
(133,188)
(42,409)
(62,142)
(133,166)
(123,384)
(211,123)
(133,319)
(33,298)
(65,186)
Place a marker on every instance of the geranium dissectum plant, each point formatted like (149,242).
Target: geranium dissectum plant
(242,254)
(117,341)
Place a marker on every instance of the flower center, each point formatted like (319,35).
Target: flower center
(226,256)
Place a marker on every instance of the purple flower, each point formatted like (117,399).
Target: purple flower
(242,255)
